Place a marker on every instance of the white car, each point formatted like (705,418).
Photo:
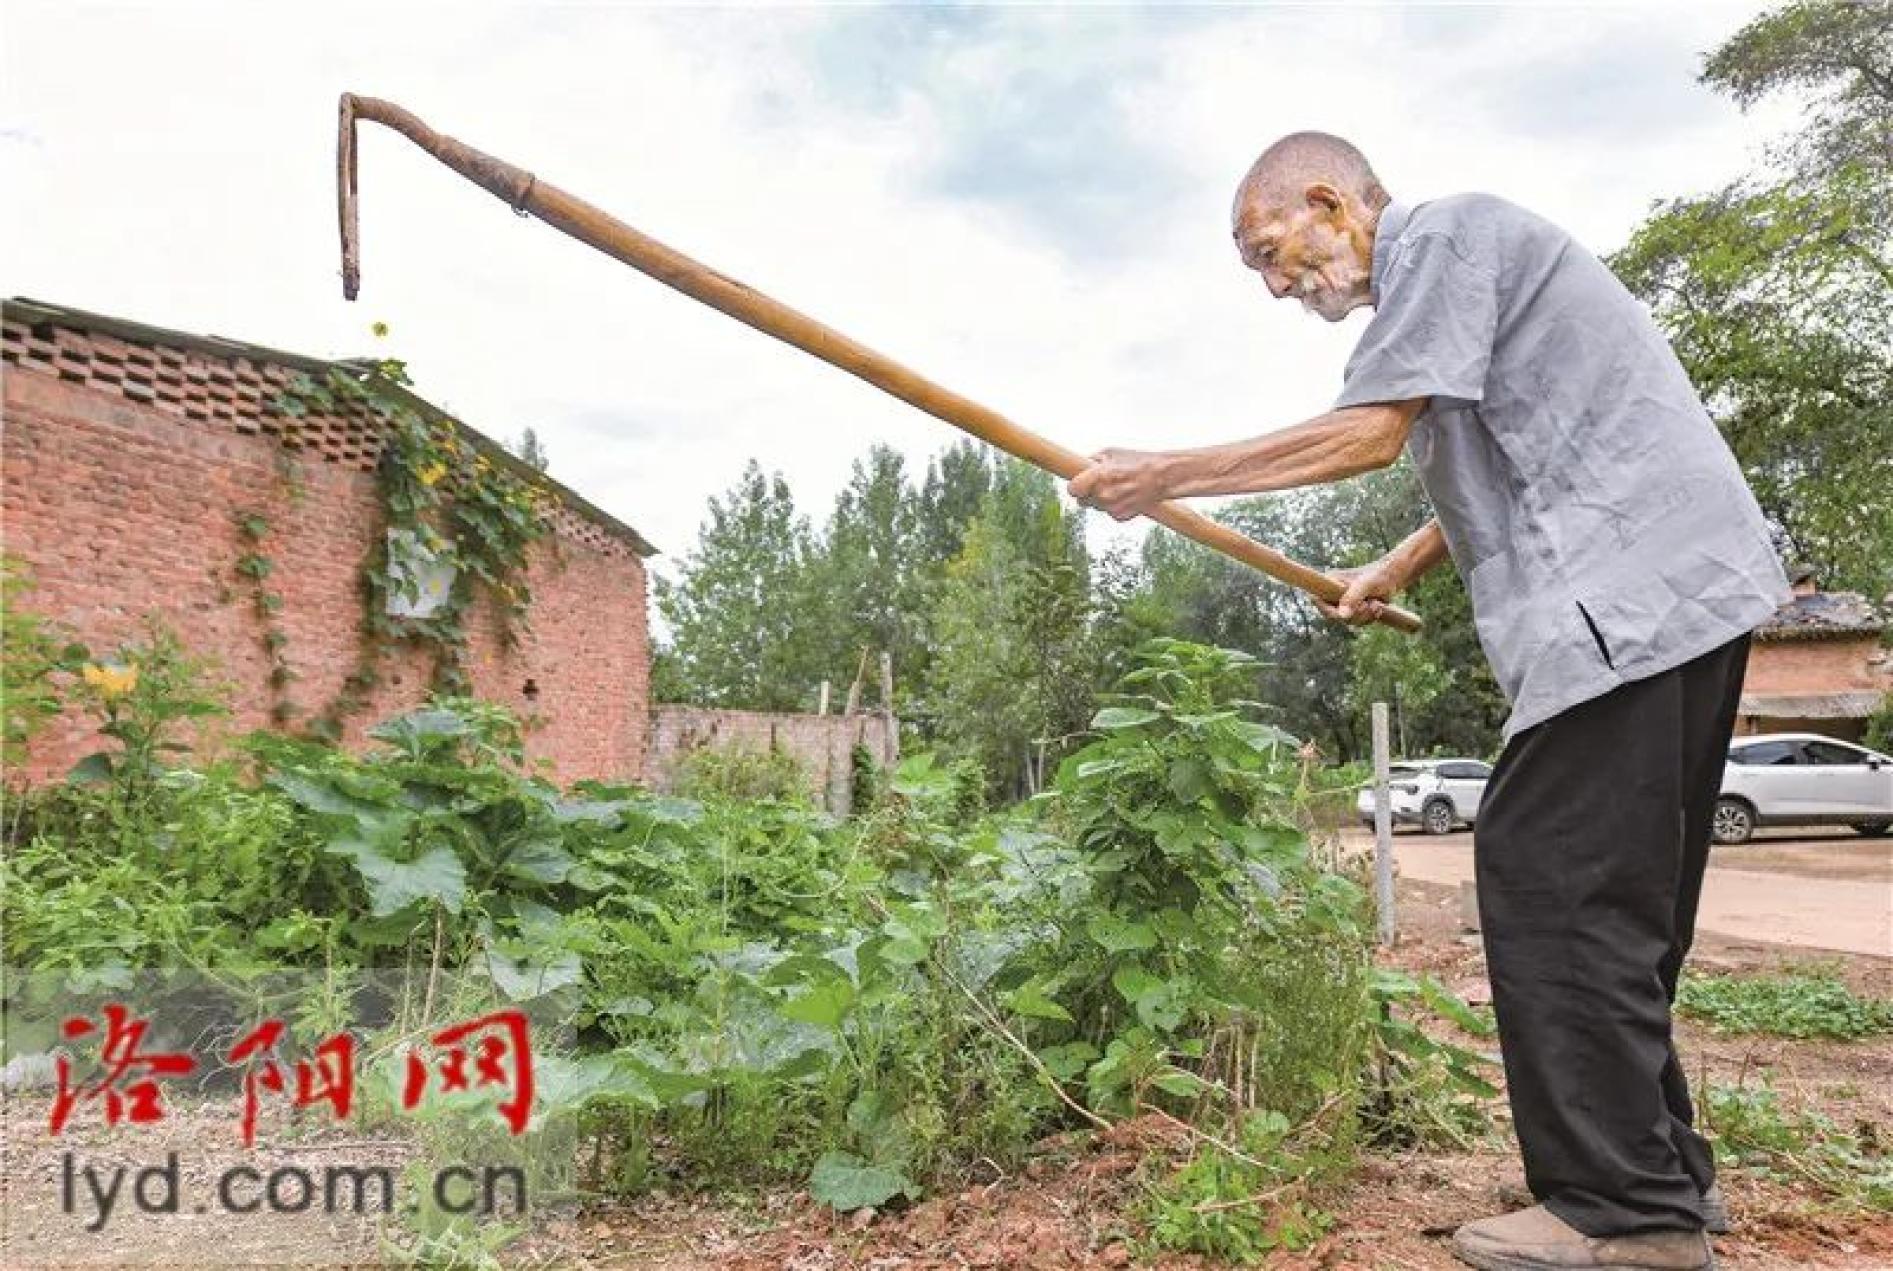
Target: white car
(1436,794)
(1802,779)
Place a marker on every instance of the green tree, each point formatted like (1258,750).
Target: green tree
(735,611)
(1013,675)
(954,490)
(1777,290)
(870,579)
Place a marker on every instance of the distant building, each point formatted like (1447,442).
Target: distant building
(1819,665)
(130,449)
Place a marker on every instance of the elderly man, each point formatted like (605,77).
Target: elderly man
(1616,563)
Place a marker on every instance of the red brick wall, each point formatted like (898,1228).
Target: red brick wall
(122,507)
(1807,668)
(1777,667)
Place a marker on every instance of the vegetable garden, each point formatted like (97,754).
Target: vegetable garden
(745,992)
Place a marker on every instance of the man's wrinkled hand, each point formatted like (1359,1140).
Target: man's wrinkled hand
(1369,588)
(1122,483)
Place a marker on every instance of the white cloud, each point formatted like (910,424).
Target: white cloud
(1028,205)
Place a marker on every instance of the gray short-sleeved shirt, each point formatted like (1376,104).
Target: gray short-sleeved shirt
(1603,528)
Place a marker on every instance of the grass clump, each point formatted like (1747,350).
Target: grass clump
(1805,1004)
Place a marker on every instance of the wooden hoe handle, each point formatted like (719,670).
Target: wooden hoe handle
(525,193)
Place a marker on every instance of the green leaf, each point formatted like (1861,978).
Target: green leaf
(1120,935)
(1449,1004)
(564,1084)
(1190,780)
(541,860)
(1030,999)
(1133,981)
(1180,1083)
(393,885)
(521,981)
(826,1004)
(92,770)
(1112,718)
(377,820)
(846,1182)
(1068,1060)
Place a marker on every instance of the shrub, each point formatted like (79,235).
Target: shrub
(742,773)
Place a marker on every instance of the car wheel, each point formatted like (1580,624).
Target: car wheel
(1438,816)
(1734,821)
(1874,829)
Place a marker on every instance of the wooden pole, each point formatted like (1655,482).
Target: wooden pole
(525,193)
(1383,829)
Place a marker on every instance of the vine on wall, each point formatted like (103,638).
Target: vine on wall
(254,567)
(472,513)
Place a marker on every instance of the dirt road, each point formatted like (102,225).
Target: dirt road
(1831,891)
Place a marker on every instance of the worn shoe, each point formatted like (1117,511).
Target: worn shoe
(1715,1212)
(1536,1239)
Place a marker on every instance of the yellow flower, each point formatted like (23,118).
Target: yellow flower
(432,473)
(111,682)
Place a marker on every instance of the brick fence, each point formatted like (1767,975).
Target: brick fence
(822,744)
(129,450)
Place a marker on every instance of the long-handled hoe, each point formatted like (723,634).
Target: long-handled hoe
(526,194)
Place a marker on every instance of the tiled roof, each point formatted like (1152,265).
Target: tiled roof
(1823,615)
(228,384)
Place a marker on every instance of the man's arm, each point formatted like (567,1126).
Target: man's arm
(1339,444)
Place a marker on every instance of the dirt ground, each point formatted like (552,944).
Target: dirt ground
(1064,1209)
(1841,900)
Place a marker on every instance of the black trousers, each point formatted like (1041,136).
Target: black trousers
(1589,851)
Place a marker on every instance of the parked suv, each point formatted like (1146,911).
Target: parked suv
(1803,779)
(1436,794)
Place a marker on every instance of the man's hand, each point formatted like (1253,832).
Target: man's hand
(1369,588)
(1124,483)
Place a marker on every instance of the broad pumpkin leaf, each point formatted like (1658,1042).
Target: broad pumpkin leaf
(393,885)
(542,860)
(846,1182)
(523,980)
(825,1004)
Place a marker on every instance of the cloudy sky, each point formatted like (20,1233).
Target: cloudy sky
(1028,204)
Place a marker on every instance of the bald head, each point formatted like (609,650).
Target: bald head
(1283,173)
(1304,219)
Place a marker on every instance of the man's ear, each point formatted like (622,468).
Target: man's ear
(1326,201)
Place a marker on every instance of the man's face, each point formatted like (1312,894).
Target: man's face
(1318,251)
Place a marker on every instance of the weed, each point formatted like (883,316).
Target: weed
(1811,1003)
(1752,1130)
